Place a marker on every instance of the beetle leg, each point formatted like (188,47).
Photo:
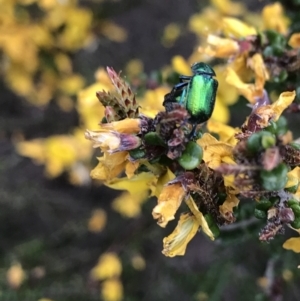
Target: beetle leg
(183,78)
(193,132)
(175,92)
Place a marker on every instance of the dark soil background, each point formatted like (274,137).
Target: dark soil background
(44,222)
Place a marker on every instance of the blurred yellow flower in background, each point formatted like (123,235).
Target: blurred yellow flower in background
(97,221)
(109,265)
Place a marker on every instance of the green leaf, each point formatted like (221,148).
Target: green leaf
(274,179)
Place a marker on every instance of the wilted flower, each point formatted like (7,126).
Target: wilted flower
(168,202)
(176,243)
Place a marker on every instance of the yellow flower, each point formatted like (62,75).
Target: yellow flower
(180,65)
(109,166)
(237,28)
(15,275)
(137,187)
(138,262)
(256,63)
(294,40)
(274,111)
(226,133)
(293,178)
(88,104)
(58,153)
(151,103)
(176,243)
(226,209)
(108,266)
(71,84)
(261,75)
(168,202)
(221,111)
(171,33)
(209,20)
(138,184)
(274,18)
(163,179)
(113,31)
(292,244)
(112,290)
(74,33)
(199,217)
(134,67)
(249,91)
(129,205)
(227,94)
(125,126)
(97,221)
(214,151)
(228,7)
(220,47)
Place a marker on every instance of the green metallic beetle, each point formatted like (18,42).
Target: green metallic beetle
(197,93)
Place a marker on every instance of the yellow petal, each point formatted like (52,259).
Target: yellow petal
(294,40)
(237,28)
(138,262)
(292,244)
(226,133)
(112,290)
(162,180)
(249,91)
(284,100)
(63,63)
(228,7)
(171,33)
(33,149)
(108,266)
(180,65)
(168,202)
(209,20)
(107,141)
(293,177)
(226,209)
(125,126)
(130,168)
(273,111)
(220,112)
(109,166)
(274,18)
(129,205)
(214,150)
(220,47)
(134,68)
(152,101)
(199,217)
(113,31)
(256,63)
(227,94)
(138,184)
(176,243)
(15,276)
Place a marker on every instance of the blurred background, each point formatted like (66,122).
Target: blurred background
(65,237)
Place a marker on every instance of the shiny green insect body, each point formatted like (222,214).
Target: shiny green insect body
(197,93)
